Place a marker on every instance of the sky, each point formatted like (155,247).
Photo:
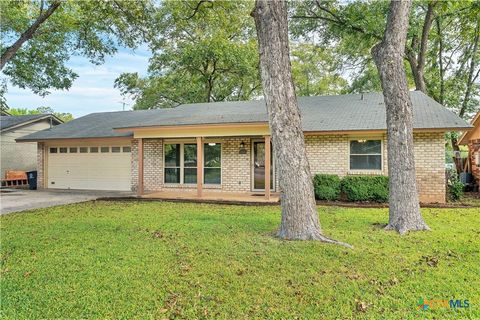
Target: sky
(92,91)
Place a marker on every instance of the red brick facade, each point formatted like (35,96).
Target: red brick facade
(474,155)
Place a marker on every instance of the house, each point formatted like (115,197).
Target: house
(21,156)
(472,139)
(157,150)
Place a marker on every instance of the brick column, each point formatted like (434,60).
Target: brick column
(41,165)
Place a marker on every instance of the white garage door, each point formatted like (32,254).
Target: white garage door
(92,168)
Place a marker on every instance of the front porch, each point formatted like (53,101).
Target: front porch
(214,196)
(231,168)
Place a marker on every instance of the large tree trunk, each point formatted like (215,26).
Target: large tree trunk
(299,212)
(388,55)
(10,52)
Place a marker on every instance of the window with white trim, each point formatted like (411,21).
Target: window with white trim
(365,155)
(180,161)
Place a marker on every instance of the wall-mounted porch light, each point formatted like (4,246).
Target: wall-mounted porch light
(242,148)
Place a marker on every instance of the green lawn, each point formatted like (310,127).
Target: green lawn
(166,260)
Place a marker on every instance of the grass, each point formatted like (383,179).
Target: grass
(172,260)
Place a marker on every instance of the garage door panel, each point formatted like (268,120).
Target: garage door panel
(93,171)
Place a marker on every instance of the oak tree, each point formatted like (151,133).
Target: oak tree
(299,212)
(404,209)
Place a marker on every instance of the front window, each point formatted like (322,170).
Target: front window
(181,163)
(190,163)
(172,163)
(365,155)
(212,163)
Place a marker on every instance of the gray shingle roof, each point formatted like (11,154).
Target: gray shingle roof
(7,122)
(322,113)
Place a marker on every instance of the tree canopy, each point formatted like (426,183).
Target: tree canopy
(64,116)
(202,52)
(40,36)
(205,51)
(442,57)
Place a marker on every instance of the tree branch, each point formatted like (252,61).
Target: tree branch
(471,78)
(335,18)
(10,52)
(197,8)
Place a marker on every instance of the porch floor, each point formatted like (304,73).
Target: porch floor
(247,197)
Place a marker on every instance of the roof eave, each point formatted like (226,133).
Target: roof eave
(21,124)
(466,135)
(20,140)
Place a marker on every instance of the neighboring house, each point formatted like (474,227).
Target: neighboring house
(472,139)
(155,150)
(21,156)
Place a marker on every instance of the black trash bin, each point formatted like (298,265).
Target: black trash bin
(32,180)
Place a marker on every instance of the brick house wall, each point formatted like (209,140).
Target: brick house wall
(330,154)
(326,153)
(40,165)
(430,166)
(473,150)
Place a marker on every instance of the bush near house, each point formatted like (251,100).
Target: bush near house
(365,188)
(327,186)
(353,188)
(455,189)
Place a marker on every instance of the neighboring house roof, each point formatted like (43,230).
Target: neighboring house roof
(466,135)
(11,122)
(353,112)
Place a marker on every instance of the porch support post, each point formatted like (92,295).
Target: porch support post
(140,167)
(267,167)
(199,166)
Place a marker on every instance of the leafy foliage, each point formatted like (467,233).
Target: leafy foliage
(65,117)
(350,29)
(91,29)
(454,186)
(315,71)
(200,54)
(327,186)
(209,53)
(365,188)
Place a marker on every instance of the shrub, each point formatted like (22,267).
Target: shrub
(327,186)
(365,188)
(455,188)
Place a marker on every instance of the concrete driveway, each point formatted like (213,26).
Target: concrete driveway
(14,200)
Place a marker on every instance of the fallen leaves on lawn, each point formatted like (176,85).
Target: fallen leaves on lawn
(157,234)
(431,261)
(353,276)
(393,281)
(361,306)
